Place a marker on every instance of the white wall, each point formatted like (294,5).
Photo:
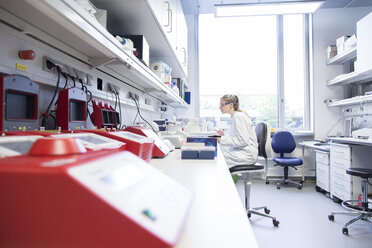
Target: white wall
(328,25)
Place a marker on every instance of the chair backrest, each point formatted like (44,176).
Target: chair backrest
(283,142)
(261,133)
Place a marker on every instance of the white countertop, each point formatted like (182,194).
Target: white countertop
(312,144)
(217,217)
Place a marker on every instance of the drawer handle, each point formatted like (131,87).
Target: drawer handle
(335,162)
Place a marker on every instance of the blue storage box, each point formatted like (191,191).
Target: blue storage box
(189,154)
(206,152)
(208,141)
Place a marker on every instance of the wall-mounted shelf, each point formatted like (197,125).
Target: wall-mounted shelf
(350,101)
(352,77)
(87,40)
(344,57)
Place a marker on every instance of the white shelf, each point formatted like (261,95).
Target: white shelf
(342,58)
(350,101)
(352,77)
(65,21)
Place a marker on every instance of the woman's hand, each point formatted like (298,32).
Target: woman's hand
(220,132)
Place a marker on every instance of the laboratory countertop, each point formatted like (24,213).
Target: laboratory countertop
(352,141)
(217,217)
(315,144)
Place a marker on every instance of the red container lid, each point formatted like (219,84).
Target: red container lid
(57,146)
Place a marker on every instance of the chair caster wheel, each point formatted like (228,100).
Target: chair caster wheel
(267,182)
(276,222)
(299,186)
(249,215)
(331,217)
(267,211)
(278,187)
(345,231)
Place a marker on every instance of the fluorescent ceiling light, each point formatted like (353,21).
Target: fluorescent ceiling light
(267,8)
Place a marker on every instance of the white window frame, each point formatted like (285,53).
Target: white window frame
(308,125)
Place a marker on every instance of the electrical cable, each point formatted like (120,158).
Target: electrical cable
(116,99)
(82,85)
(46,113)
(120,125)
(66,77)
(73,80)
(138,111)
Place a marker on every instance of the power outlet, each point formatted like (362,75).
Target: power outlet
(133,95)
(49,64)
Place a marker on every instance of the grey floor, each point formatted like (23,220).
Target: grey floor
(303,216)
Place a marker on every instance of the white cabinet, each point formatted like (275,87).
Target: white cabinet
(172,20)
(322,170)
(182,43)
(340,182)
(166,14)
(156,20)
(364,52)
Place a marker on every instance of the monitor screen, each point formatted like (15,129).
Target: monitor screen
(76,110)
(116,118)
(111,117)
(22,147)
(105,117)
(20,106)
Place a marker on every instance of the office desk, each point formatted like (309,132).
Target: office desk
(217,217)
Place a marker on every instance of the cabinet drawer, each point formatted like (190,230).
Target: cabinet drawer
(338,184)
(322,157)
(340,151)
(340,174)
(322,176)
(340,163)
(341,194)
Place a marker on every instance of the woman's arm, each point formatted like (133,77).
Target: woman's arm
(241,124)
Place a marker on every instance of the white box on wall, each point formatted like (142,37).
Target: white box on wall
(364,50)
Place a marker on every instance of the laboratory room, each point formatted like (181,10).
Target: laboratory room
(185,123)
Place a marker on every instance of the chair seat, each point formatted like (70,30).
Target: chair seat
(288,161)
(246,167)
(360,172)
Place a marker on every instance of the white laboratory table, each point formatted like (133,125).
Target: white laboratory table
(217,217)
(352,141)
(314,144)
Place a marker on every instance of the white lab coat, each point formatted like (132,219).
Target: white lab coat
(239,144)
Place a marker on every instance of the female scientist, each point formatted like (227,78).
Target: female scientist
(239,144)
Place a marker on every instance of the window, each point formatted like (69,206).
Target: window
(263,60)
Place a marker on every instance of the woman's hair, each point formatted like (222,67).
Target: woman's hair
(232,99)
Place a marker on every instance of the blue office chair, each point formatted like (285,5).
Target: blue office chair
(283,142)
(246,169)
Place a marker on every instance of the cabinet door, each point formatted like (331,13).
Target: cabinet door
(166,14)
(181,48)
(322,176)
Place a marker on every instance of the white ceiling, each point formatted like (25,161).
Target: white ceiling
(207,6)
